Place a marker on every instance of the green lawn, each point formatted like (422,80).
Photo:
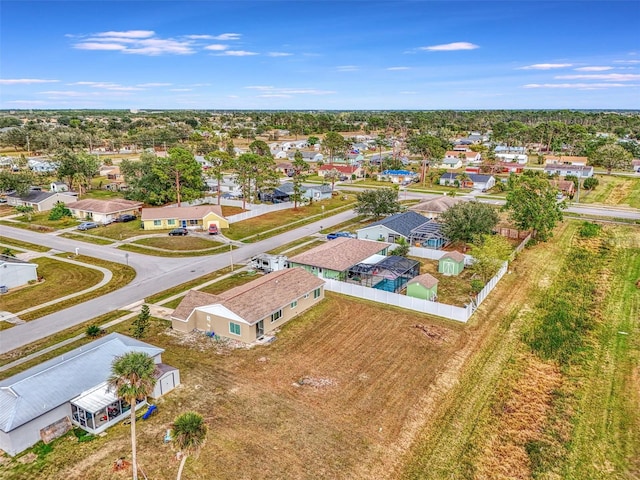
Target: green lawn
(20,244)
(180,243)
(614,190)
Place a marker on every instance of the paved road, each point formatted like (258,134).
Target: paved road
(154,274)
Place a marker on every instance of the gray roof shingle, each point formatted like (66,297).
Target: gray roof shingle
(402,223)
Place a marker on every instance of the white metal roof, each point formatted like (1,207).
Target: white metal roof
(95,399)
(40,389)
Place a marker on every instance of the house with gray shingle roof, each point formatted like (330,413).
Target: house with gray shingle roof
(252,310)
(475,181)
(103,211)
(392,228)
(47,400)
(39,200)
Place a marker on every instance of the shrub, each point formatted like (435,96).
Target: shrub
(590,183)
(93,331)
(476,285)
(42,449)
(589,230)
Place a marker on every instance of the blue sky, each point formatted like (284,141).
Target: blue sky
(307,54)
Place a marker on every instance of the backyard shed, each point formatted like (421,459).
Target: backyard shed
(451,263)
(423,286)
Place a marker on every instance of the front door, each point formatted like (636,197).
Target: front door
(260,328)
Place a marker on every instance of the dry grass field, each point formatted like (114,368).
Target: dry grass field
(324,400)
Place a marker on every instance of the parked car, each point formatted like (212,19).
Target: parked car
(335,235)
(178,231)
(88,225)
(213,229)
(127,217)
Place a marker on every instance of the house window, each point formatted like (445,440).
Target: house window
(275,316)
(294,304)
(193,222)
(234,328)
(316,293)
(157,223)
(171,221)
(306,295)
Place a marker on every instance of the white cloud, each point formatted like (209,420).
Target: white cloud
(394,69)
(260,87)
(614,77)
(99,46)
(238,53)
(279,54)
(269,90)
(348,68)
(449,47)
(227,36)
(180,89)
(24,81)
(27,102)
(108,86)
(274,95)
(630,62)
(578,85)
(152,84)
(200,37)
(217,47)
(546,66)
(127,34)
(593,69)
(157,46)
(200,85)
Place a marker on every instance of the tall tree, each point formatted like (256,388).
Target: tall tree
(381,142)
(429,148)
(18,181)
(300,170)
(219,162)
(259,147)
(182,172)
(532,204)
(332,176)
(80,165)
(612,156)
(132,378)
(189,433)
(465,221)
(332,144)
(378,202)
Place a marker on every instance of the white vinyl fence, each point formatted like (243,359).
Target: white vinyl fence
(257,210)
(460,314)
(433,254)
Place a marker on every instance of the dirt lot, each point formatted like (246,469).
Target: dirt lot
(322,401)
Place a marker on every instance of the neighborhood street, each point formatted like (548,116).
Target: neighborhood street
(154,274)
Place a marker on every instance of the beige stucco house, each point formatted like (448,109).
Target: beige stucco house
(198,217)
(250,311)
(103,211)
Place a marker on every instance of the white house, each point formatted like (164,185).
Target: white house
(15,273)
(580,171)
(512,158)
(47,400)
(467,158)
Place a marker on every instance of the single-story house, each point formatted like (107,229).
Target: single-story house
(566,187)
(318,192)
(286,168)
(42,166)
(392,228)
(344,170)
(334,258)
(635,164)
(475,181)
(423,286)
(249,311)
(15,272)
(580,171)
(397,176)
(452,163)
(466,157)
(512,158)
(198,217)
(511,167)
(103,211)
(307,156)
(434,207)
(502,149)
(565,160)
(39,200)
(451,263)
(45,401)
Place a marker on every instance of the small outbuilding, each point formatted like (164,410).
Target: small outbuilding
(423,286)
(451,263)
(16,273)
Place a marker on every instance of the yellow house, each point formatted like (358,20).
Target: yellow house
(198,217)
(249,311)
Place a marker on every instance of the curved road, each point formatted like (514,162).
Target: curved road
(154,274)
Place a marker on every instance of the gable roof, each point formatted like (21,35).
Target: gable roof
(474,177)
(401,223)
(197,212)
(34,196)
(257,299)
(42,388)
(426,280)
(340,168)
(339,254)
(453,255)
(104,206)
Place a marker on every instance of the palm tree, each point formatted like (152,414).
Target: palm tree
(189,434)
(132,377)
